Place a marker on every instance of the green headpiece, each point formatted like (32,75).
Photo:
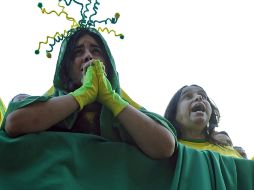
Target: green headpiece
(86,21)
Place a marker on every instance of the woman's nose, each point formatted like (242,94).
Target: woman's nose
(87,56)
(198,97)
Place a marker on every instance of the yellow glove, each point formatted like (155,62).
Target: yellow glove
(106,95)
(87,93)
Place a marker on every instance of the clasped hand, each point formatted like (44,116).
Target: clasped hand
(96,87)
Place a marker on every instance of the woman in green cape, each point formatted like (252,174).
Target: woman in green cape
(72,138)
(195,117)
(70,155)
(88,99)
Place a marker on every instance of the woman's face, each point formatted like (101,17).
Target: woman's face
(193,109)
(87,49)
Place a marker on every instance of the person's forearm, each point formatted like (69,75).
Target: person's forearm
(151,137)
(40,116)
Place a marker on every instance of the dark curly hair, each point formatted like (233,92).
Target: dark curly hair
(170,115)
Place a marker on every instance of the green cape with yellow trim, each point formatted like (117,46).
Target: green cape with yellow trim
(60,160)
(109,127)
(77,161)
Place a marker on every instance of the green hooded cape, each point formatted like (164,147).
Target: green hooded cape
(77,161)
(2,111)
(109,127)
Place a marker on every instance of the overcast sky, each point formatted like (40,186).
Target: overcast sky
(167,44)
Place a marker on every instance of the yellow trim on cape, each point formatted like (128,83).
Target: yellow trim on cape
(2,111)
(124,95)
(50,91)
(224,150)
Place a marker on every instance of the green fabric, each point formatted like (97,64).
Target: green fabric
(209,170)
(195,140)
(60,160)
(20,104)
(114,80)
(109,128)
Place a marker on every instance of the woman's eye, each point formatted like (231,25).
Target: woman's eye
(78,52)
(188,96)
(96,50)
(204,96)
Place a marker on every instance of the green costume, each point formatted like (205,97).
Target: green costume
(78,161)
(64,160)
(109,127)
(59,160)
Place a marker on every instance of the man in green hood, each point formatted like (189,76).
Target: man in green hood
(88,99)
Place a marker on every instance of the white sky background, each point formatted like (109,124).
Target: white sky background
(167,44)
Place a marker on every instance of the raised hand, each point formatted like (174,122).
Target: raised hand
(106,95)
(87,93)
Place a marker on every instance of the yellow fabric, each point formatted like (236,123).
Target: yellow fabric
(128,99)
(88,91)
(124,95)
(2,111)
(90,115)
(50,91)
(224,150)
(252,158)
(106,95)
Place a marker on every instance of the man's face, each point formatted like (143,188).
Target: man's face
(87,49)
